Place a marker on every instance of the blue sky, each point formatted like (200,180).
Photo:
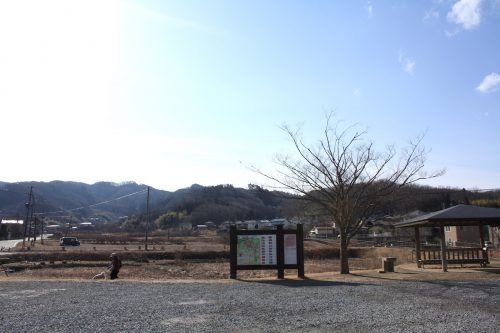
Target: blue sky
(171,93)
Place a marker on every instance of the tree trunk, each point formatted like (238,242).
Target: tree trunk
(344,254)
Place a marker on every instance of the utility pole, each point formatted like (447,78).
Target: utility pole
(147,221)
(36,218)
(41,232)
(28,205)
(68,231)
(34,229)
(30,227)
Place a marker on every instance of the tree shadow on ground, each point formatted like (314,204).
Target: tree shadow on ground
(477,284)
(305,282)
(492,270)
(465,281)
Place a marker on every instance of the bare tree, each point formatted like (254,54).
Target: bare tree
(346,177)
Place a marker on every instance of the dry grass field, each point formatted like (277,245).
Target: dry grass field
(171,269)
(166,259)
(191,257)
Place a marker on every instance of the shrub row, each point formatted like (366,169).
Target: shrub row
(104,256)
(143,256)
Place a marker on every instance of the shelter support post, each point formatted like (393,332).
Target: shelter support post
(481,238)
(417,245)
(444,259)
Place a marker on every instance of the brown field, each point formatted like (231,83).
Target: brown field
(190,257)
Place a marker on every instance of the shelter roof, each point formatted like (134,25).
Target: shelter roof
(460,215)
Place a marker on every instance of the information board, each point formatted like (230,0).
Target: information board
(277,249)
(290,241)
(256,250)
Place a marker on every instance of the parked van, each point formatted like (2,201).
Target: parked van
(69,241)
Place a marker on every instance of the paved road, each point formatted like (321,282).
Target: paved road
(7,244)
(290,306)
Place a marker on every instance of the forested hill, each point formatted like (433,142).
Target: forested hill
(113,201)
(198,204)
(227,203)
(105,199)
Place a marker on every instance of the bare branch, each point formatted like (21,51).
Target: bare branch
(346,177)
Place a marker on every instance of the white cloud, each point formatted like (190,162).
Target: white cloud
(431,15)
(466,13)
(369,8)
(407,62)
(357,92)
(489,83)
(452,33)
(409,66)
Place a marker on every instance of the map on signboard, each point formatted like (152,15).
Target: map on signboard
(248,250)
(256,250)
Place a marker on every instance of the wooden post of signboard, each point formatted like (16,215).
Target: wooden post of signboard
(300,251)
(233,241)
(280,254)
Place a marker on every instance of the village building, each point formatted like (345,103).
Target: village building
(461,235)
(11,228)
(323,232)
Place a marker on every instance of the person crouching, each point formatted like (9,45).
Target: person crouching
(114,267)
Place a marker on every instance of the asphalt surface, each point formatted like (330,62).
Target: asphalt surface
(273,306)
(8,244)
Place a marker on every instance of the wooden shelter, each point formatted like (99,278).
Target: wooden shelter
(460,215)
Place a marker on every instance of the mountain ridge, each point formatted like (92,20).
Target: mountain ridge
(110,199)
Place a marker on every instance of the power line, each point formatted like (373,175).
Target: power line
(93,205)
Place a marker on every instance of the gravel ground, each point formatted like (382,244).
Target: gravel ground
(265,306)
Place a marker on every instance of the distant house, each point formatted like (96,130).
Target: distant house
(379,230)
(322,232)
(284,222)
(185,226)
(11,228)
(461,235)
(250,224)
(12,222)
(224,226)
(211,225)
(258,224)
(54,228)
(262,224)
(86,226)
(494,235)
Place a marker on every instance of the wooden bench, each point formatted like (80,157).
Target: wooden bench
(457,256)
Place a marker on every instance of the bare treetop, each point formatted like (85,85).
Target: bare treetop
(345,175)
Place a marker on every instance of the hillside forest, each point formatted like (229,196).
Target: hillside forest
(124,205)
